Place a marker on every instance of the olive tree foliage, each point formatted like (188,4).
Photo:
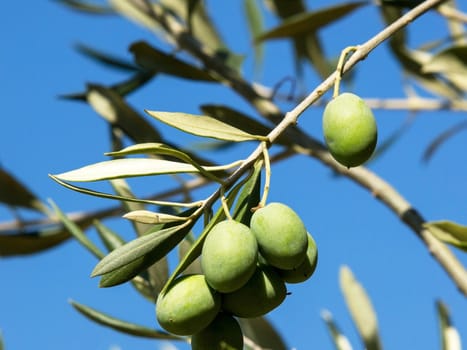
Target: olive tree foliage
(139,148)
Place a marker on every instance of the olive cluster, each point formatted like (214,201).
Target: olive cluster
(245,271)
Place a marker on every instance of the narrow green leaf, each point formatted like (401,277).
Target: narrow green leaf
(154,148)
(151,59)
(87,7)
(340,340)
(120,325)
(106,59)
(109,237)
(113,108)
(442,138)
(449,232)
(204,126)
(303,23)
(138,14)
(262,333)
(120,198)
(130,167)
(239,120)
(137,248)
(16,194)
(360,309)
(249,196)
(256,26)
(76,231)
(183,248)
(450,339)
(149,217)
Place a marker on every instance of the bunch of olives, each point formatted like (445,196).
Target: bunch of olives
(349,129)
(245,271)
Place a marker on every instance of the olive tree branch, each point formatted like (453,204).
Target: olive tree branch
(304,144)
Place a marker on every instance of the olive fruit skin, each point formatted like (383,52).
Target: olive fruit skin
(263,292)
(224,333)
(349,129)
(303,271)
(281,235)
(188,306)
(229,256)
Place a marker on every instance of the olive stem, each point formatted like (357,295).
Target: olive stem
(340,67)
(225,207)
(267,175)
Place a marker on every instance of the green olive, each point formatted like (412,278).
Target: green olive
(350,129)
(281,235)
(303,271)
(263,292)
(224,333)
(188,306)
(229,256)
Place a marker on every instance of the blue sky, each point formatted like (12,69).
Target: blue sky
(42,134)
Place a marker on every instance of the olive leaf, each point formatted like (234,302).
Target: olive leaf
(449,232)
(450,339)
(262,333)
(120,325)
(256,26)
(154,60)
(130,167)
(442,138)
(204,126)
(107,59)
(341,342)
(361,309)
(303,23)
(149,217)
(138,14)
(87,7)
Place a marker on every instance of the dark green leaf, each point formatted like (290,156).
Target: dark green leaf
(87,7)
(151,59)
(449,232)
(204,126)
(361,309)
(106,59)
(249,196)
(442,138)
(183,248)
(15,194)
(402,3)
(109,237)
(262,333)
(162,240)
(121,326)
(303,23)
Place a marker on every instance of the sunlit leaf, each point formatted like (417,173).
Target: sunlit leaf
(16,194)
(137,13)
(452,62)
(360,308)
(87,6)
(262,333)
(149,217)
(111,106)
(162,240)
(442,138)
(205,126)
(449,232)
(450,339)
(151,59)
(130,167)
(120,325)
(311,21)
(340,340)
